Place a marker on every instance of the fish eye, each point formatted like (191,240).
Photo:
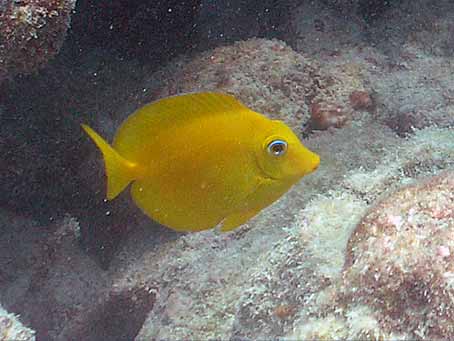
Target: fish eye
(277,147)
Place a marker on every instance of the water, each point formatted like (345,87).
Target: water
(361,249)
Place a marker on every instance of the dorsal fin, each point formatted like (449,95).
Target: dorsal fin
(168,112)
(195,104)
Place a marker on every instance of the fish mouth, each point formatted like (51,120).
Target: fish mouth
(314,168)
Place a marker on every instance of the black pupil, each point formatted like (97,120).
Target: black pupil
(277,148)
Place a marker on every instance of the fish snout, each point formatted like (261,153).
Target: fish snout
(313,163)
(307,165)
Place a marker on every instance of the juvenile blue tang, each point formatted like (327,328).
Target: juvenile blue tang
(199,160)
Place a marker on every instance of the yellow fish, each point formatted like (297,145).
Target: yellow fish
(203,159)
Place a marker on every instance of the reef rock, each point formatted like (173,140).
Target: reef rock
(400,259)
(12,329)
(374,216)
(266,75)
(31,32)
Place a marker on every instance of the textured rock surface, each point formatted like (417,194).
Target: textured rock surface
(268,76)
(400,259)
(402,56)
(289,274)
(59,290)
(12,329)
(398,220)
(31,32)
(282,273)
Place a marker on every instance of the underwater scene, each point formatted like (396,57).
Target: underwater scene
(226,170)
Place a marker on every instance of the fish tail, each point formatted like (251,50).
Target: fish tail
(120,172)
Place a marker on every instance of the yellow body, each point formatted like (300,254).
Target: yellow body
(200,159)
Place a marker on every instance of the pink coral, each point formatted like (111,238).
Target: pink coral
(400,259)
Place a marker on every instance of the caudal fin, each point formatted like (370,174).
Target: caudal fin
(120,172)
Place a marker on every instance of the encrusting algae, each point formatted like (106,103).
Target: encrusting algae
(203,159)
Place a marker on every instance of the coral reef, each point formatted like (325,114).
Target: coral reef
(402,57)
(297,272)
(282,274)
(12,329)
(399,259)
(405,122)
(268,76)
(325,235)
(60,291)
(117,315)
(31,32)
(376,293)
(286,280)
(358,324)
